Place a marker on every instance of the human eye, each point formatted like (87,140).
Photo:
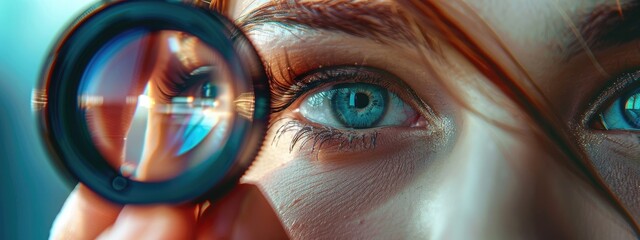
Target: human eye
(185,72)
(624,113)
(187,96)
(356,105)
(192,86)
(623,109)
(349,106)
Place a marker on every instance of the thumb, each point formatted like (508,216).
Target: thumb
(243,214)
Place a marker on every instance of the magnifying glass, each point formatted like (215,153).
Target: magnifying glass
(153,102)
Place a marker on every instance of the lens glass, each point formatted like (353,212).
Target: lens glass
(158,103)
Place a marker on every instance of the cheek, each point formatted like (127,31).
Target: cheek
(616,158)
(353,194)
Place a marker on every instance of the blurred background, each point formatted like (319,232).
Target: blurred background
(32,192)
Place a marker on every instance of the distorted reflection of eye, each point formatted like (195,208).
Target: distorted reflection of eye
(624,113)
(193,100)
(208,90)
(205,74)
(356,106)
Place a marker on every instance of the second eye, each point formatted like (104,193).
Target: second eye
(356,106)
(623,114)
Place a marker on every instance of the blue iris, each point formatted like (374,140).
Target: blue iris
(358,105)
(200,125)
(624,113)
(632,109)
(208,90)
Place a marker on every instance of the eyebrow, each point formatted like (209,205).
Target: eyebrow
(606,26)
(381,21)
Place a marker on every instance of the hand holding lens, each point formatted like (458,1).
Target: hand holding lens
(154,102)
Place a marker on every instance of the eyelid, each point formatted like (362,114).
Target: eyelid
(172,86)
(311,136)
(620,86)
(321,78)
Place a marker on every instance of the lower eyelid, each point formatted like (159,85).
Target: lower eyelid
(301,135)
(326,144)
(313,137)
(304,135)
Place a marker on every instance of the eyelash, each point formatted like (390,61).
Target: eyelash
(317,136)
(623,84)
(285,93)
(182,81)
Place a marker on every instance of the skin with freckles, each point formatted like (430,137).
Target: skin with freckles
(580,85)
(509,143)
(488,172)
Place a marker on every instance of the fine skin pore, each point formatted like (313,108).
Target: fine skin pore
(473,166)
(495,182)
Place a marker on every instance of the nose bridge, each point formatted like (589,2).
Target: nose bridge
(500,184)
(503,183)
(492,182)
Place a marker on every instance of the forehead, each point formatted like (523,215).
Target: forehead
(546,29)
(534,20)
(539,34)
(538,23)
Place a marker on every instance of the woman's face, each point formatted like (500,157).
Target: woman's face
(384,129)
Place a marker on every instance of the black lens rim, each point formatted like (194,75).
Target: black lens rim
(64,128)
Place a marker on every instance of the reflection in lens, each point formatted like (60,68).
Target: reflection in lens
(632,110)
(158,103)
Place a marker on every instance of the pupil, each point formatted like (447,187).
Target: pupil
(358,105)
(208,91)
(359,100)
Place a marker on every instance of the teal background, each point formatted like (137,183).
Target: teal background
(32,191)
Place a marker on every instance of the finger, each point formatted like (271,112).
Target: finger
(84,215)
(154,222)
(243,214)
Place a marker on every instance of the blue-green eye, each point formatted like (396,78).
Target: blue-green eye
(356,106)
(624,113)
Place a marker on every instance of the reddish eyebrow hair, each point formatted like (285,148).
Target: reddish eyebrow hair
(605,26)
(381,21)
